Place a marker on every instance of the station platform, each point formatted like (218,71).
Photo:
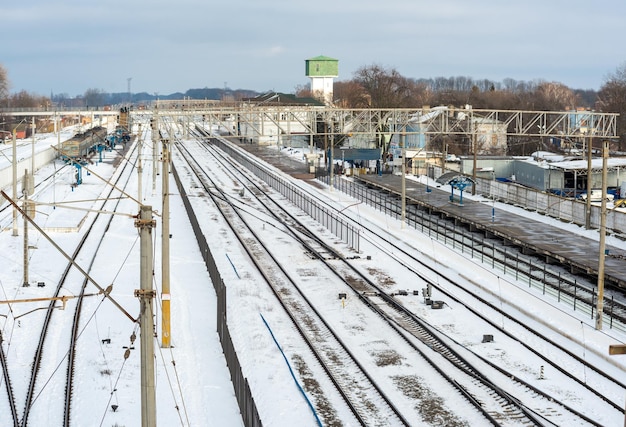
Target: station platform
(577,252)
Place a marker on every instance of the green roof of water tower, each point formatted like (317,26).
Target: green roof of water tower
(322,58)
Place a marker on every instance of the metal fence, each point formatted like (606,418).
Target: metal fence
(563,208)
(507,260)
(327,217)
(247,407)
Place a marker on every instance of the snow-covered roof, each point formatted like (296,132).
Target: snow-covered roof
(596,164)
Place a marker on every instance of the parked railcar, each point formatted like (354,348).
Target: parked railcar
(82,143)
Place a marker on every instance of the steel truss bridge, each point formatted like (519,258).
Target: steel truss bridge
(306,120)
(310,120)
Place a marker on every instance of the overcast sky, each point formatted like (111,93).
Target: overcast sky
(170,46)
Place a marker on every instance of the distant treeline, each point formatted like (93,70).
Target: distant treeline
(98,98)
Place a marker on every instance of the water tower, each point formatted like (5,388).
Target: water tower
(322,70)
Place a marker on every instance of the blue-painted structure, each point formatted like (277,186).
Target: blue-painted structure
(357,154)
(78,174)
(459,182)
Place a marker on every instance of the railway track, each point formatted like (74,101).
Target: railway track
(40,187)
(366,401)
(498,258)
(578,291)
(494,404)
(529,388)
(65,284)
(75,331)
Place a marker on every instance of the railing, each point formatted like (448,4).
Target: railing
(562,208)
(322,214)
(243,393)
(509,261)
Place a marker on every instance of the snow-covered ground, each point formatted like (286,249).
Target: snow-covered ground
(193,385)
(549,316)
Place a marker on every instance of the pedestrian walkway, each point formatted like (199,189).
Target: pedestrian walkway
(579,253)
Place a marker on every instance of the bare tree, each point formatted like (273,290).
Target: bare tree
(612,98)
(24,99)
(303,91)
(555,96)
(94,98)
(387,88)
(4,85)
(350,94)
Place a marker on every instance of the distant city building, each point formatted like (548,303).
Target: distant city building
(322,70)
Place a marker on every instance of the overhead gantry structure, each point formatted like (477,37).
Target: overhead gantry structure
(265,123)
(290,119)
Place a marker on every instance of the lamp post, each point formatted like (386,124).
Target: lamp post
(589,182)
(493,195)
(403,154)
(428,190)
(32,157)
(602,254)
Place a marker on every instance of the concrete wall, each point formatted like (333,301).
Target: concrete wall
(41,158)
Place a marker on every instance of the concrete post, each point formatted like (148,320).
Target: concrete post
(165,250)
(146,293)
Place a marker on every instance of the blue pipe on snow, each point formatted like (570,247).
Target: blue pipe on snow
(317,418)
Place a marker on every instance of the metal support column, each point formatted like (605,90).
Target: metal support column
(403,154)
(139,166)
(26,280)
(165,250)
(32,156)
(146,294)
(589,184)
(602,255)
(14,161)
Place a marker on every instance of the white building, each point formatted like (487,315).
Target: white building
(322,71)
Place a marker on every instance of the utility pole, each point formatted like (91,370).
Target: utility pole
(32,157)
(155,149)
(139,167)
(25,184)
(146,294)
(402,154)
(14,181)
(474,148)
(589,184)
(165,250)
(602,255)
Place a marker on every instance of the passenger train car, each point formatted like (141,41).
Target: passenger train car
(82,144)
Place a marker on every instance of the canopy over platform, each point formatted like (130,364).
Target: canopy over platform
(460,182)
(352,154)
